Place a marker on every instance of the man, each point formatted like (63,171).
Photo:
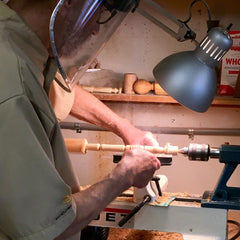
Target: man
(40,195)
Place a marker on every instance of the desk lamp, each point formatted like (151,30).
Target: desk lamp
(189,76)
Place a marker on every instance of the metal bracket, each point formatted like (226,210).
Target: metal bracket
(191,134)
(184,32)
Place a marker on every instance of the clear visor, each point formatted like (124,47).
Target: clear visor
(79,30)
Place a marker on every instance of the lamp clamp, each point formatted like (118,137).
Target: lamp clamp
(183,33)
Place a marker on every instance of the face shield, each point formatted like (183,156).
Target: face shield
(79,30)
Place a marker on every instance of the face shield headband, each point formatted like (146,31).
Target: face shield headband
(79,30)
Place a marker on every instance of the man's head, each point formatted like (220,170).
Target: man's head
(87,26)
(73,31)
(36,14)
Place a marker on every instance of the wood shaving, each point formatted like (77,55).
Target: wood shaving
(176,194)
(168,196)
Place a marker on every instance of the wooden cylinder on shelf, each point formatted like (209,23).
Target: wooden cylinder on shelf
(129,80)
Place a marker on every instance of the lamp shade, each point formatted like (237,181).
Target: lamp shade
(190,77)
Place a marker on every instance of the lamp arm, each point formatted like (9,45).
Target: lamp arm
(184,32)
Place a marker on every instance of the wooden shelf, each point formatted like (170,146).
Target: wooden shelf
(135,98)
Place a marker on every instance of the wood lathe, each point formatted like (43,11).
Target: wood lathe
(223,196)
(204,221)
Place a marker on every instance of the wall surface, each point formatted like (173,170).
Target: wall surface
(137,46)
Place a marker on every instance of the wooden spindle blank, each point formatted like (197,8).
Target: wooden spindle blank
(82,146)
(92,89)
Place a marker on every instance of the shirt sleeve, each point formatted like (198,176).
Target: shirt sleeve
(61,100)
(35,203)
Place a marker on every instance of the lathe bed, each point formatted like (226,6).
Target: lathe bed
(185,220)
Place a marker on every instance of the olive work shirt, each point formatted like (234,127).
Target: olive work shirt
(36,176)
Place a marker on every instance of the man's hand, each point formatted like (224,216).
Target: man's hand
(135,169)
(135,136)
(138,166)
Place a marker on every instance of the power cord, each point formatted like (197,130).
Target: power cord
(238,225)
(190,10)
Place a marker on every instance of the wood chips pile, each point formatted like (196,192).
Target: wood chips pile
(130,234)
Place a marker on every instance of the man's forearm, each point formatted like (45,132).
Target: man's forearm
(135,169)
(88,108)
(92,200)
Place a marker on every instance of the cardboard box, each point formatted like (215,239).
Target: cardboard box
(230,66)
